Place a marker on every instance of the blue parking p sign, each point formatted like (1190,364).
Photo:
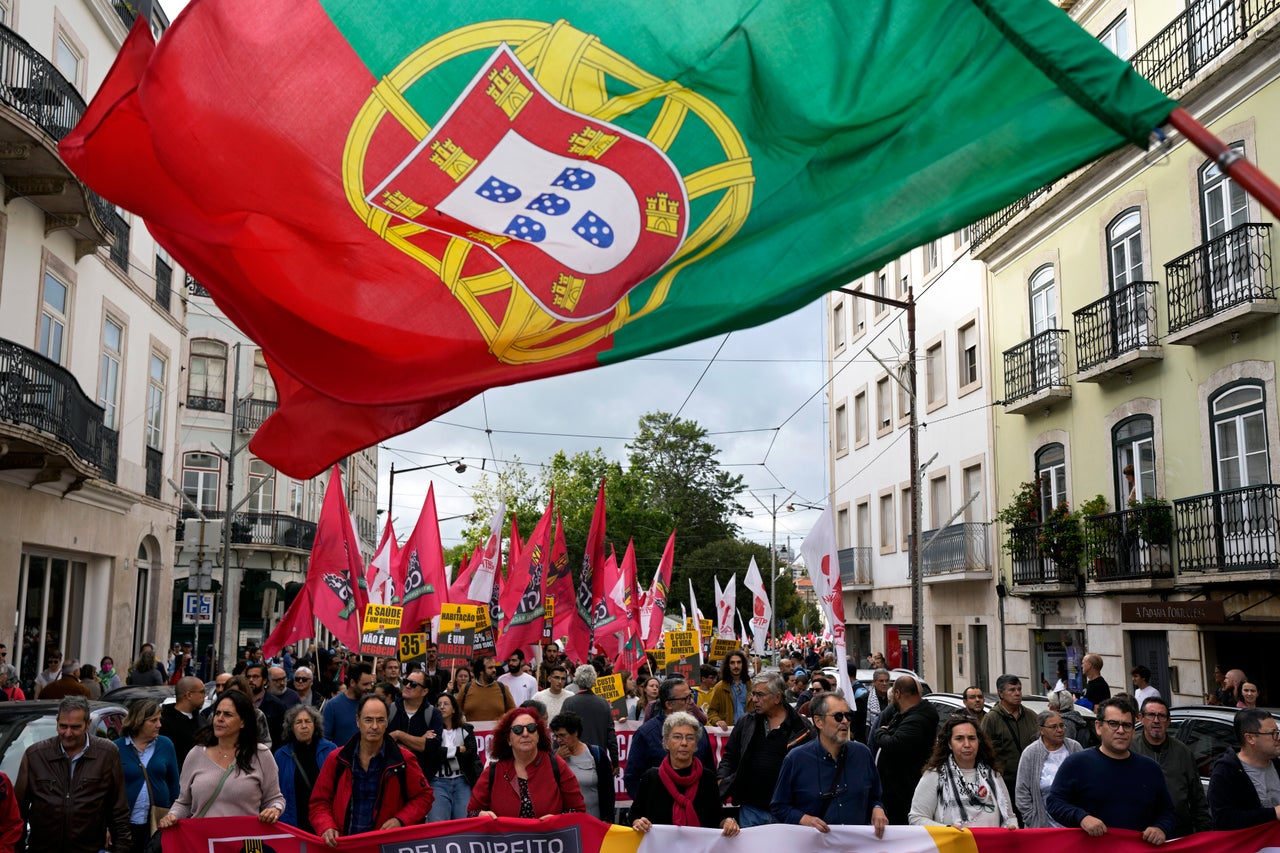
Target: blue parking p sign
(197,608)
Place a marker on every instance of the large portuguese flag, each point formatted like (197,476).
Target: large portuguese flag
(405,203)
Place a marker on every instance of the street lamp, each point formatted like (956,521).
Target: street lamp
(459,466)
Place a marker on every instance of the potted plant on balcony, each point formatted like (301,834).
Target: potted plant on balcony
(1062,540)
(1153,522)
(1022,512)
(1097,536)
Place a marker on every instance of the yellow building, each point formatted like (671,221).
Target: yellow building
(1134,303)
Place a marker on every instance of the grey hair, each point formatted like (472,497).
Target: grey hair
(878,672)
(298,710)
(1045,716)
(771,680)
(1062,700)
(585,676)
(680,718)
(74,703)
(818,704)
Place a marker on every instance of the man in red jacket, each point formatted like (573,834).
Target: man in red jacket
(371,783)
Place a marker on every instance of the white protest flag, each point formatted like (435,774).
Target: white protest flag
(725,599)
(697,614)
(822,562)
(486,573)
(378,575)
(761,611)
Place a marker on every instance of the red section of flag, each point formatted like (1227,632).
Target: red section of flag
(421,564)
(611,612)
(462,583)
(559,584)
(297,624)
(522,606)
(660,591)
(590,585)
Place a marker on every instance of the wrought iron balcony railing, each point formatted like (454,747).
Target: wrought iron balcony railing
(1031,567)
(1220,274)
(1120,322)
(155,472)
(119,228)
(206,404)
(1132,544)
(1229,531)
(855,566)
(1035,365)
(195,288)
(260,528)
(45,396)
(957,548)
(108,467)
(251,414)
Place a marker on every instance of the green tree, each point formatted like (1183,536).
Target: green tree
(514,486)
(728,557)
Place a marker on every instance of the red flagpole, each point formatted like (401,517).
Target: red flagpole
(1241,170)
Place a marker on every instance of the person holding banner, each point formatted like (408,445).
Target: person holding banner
(757,746)
(729,697)
(961,785)
(525,779)
(647,747)
(680,791)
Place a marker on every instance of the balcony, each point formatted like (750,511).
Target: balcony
(38,107)
(1131,548)
(855,568)
(251,414)
(1221,286)
(1230,535)
(958,552)
(195,288)
(206,404)
(1035,375)
(49,424)
(1117,334)
(260,529)
(1034,571)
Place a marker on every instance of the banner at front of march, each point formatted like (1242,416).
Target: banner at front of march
(577,833)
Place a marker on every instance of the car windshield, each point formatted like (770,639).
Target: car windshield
(19,731)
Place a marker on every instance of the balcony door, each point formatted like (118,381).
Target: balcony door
(1240,460)
(1135,458)
(1129,317)
(1224,205)
(1045,355)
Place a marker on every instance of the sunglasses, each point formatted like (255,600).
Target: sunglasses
(524,728)
(303,680)
(841,716)
(415,685)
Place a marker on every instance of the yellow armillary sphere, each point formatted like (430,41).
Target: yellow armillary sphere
(577,71)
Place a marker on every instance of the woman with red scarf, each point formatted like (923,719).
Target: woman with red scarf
(680,791)
(526,779)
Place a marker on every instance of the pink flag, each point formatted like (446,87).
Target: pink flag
(382,587)
(522,594)
(590,588)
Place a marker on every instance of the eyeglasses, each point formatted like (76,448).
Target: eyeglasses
(1153,716)
(840,716)
(301,680)
(524,728)
(1056,727)
(681,737)
(1118,725)
(685,699)
(1274,735)
(760,694)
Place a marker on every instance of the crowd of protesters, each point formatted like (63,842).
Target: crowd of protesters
(337,746)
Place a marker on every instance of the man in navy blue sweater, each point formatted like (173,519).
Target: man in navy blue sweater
(1109,786)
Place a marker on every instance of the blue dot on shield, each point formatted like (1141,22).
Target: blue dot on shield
(550,204)
(594,230)
(575,179)
(524,228)
(498,191)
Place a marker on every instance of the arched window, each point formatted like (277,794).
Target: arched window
(1124,248)
(200,475)
(1133,441)
(1051,471)
(1239,425)
(1044,300)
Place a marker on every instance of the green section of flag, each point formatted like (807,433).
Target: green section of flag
(872,126)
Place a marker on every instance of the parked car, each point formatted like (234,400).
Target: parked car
(163,694)
(25,723)
(1208,730)
(865,676)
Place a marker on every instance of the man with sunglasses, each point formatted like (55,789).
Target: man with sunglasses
(304,686)
(830,780)
(1244,789)
(1111,786)
(416,726)
(1190,808)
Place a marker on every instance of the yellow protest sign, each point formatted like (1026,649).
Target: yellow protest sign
(659,656)
(720,648)
(378,616)
(413,647)
(460,616)
(681,644)
(689,625)
(609,688)
(705,625)
(549,603)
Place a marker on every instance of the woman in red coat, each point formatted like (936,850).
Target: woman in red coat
(526,779)
(371,783)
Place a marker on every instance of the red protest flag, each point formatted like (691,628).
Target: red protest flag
(298,623)
(630,649)
(655,606)
(462,582)
(559,584)
(421,564)
(380,577)
(590,590)
(611,622)
(522,595)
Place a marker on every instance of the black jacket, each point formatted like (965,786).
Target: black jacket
(273,709)
(740,740)
(1233,801)
(180,729)
(904,748)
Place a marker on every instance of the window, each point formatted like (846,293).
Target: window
(971,482)
(939,501)
(109,371)
(200,480)
(882,289)
(888,524)
(842,428)
(968,357)
(860,436)
(1135,457)
(932,256)
(1115,38)
(858,305)
(1044,301)
(908,517)
(67,57)
(864,523)
(164,278)
(1224,206)
(1051,471)
(962,237)
(262,486)
(296,500)
(1240,454)
(837,326)
(54,309)
(904,286)
(936,375)
(263,387)
(155,402)
(1124,248)
(884,406)
(207,379)
(842,529)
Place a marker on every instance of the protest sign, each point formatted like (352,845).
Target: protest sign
(456,646)
(380,634)
(720,648)
(413,648)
